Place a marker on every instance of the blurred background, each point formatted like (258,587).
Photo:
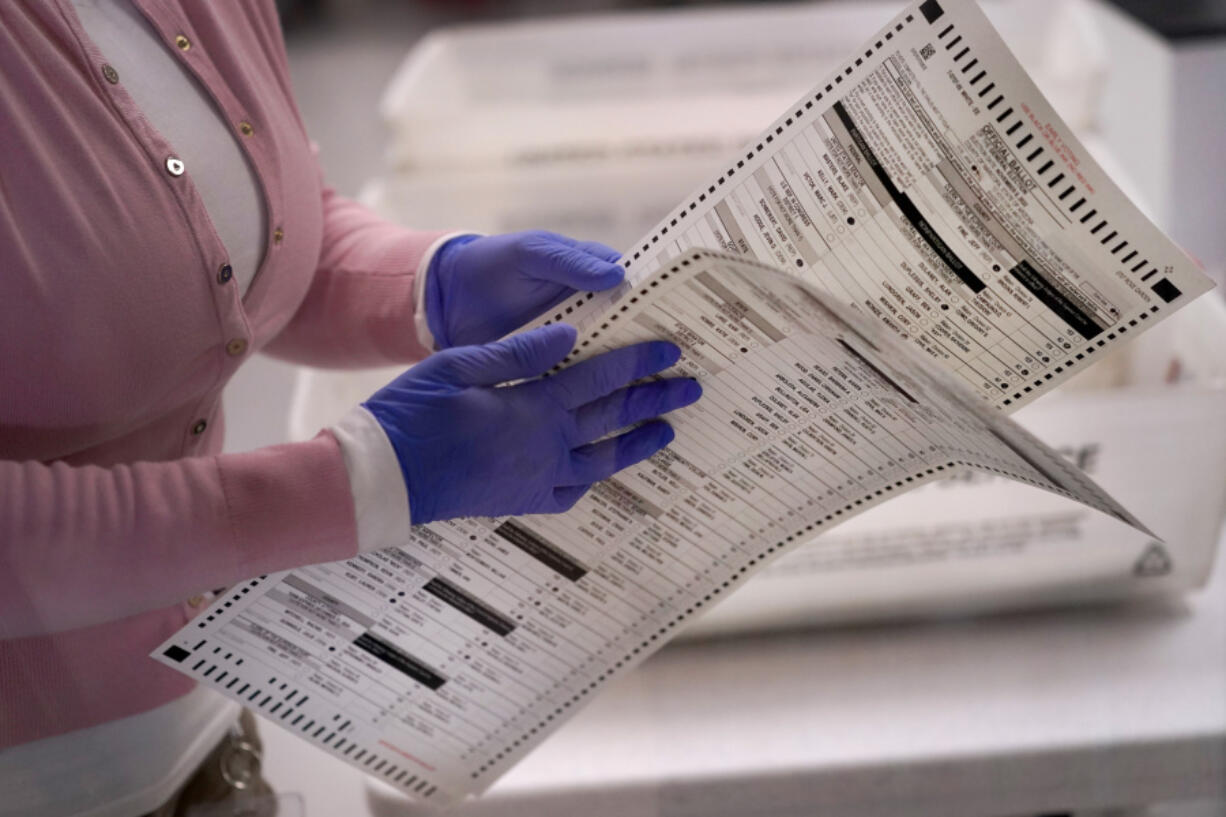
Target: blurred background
(344,52)
(593,118)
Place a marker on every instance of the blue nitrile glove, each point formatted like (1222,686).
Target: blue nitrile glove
(467,447)
(479,289)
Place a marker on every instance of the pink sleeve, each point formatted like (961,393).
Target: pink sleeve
(359,309)
(84,545)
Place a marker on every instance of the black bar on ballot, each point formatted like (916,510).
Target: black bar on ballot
(889,380)
(909,211)
(478,611)
(1055,300)
(398,659)
(542,551)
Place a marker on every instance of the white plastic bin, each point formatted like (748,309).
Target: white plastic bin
(692,81)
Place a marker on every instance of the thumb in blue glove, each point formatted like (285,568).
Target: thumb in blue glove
(479,289)
(468,447)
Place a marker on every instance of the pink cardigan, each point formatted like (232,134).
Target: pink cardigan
(119,328)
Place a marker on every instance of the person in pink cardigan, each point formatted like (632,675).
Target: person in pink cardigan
(163,219)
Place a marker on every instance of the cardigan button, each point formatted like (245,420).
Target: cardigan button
(175,166)
(196,602)
(236,347)
(183,43)
(224,273)
(110,74)
(278,235)
(245,128)
(199,427)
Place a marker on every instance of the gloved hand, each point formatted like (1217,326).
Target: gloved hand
(479,289)
(469,448)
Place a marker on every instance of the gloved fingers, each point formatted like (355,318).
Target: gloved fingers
(558,262)
(592,463)
(565,498)
(527,354)
(601,251)
(633,405)
(606,373)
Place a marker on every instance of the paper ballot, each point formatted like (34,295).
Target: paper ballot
(975,541)
(914,247)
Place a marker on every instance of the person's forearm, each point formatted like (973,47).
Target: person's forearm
(84,545)
(359,310)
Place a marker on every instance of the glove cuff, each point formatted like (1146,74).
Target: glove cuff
(433,301)
(380,497)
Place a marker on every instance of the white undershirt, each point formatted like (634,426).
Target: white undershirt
(131,766)
(180,109)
